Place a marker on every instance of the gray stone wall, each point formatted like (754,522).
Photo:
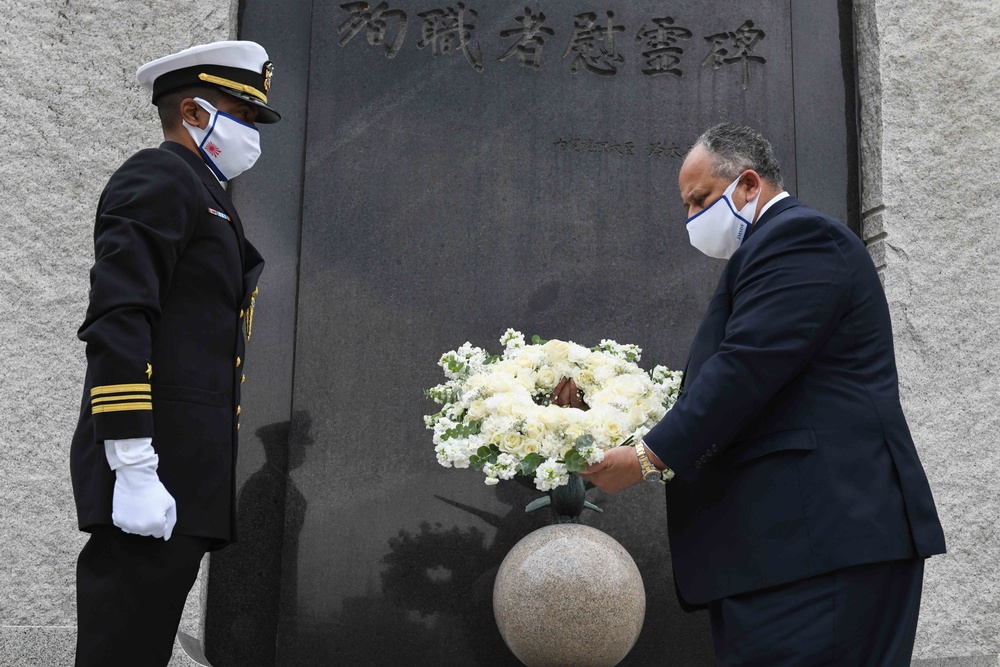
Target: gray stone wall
(930,110)
(70,113)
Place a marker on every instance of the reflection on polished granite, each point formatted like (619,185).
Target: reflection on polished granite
(245,581)
(428,598)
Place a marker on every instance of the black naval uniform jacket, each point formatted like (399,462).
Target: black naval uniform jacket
(791,452)
(171,310)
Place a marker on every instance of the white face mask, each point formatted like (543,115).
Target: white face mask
(719,230)
(228,145)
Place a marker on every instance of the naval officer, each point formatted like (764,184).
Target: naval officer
(172,295)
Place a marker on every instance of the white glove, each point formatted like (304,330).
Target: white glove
(141,504)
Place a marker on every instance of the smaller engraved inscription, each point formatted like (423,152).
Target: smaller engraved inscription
(659,149)
(654,149)
(582,145)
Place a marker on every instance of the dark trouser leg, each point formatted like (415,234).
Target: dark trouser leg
(864,616)
(130,595)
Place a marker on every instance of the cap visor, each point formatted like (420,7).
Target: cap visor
(265,114)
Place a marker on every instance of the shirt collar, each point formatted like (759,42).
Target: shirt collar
(774,200)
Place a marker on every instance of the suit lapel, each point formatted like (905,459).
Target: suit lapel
(223,199)
(214,188)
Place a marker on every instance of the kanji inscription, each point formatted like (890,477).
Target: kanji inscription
(593,40)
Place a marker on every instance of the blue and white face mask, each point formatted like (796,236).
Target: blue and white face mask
(719,229)
(228,145)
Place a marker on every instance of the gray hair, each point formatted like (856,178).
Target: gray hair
(736,148)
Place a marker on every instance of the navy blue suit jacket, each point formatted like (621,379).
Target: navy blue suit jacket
(791,452)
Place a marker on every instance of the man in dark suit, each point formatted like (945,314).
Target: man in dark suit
(172,295)
(798,511)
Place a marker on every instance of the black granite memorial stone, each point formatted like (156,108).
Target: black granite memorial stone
(472,166)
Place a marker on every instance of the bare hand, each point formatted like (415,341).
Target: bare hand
(567,394)
(619,470)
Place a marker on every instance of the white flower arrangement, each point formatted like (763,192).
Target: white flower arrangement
(497,416)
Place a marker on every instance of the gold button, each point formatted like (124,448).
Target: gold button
(237,426)
(243,379)
(238,362)
(237,411)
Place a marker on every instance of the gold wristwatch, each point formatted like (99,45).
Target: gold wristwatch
(651,473)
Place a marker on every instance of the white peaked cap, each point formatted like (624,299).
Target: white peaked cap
(239,68)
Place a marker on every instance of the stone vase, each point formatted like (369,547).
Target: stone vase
(569,595)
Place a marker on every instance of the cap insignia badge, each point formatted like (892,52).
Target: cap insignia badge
(268,71)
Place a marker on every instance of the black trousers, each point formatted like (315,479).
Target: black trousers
(130,593)
(864,616)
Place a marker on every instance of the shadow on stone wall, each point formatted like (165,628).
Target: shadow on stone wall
(244,584)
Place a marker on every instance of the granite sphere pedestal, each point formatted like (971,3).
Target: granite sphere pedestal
(569,595)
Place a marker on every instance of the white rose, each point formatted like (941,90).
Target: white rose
(614,431)
(477,410)
(525,361)
(522,405)
(637,415)
(499,383)
(629,386)
(597,360)
(529,446)
(604,424)
(501,405)
(553,417)
(535,430)
(546,378)
(557,351)
(493,428)
(574,431)
(510,442)
(577,354)
(526,380)
(585,380)
(604,373)
(654,410)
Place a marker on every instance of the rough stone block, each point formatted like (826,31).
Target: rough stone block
(939,155)
(72,113)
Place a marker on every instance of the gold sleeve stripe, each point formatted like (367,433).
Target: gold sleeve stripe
(122,397)
(122,407)
(119,389)
(229,83)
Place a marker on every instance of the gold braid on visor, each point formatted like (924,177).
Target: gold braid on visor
(229,83)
